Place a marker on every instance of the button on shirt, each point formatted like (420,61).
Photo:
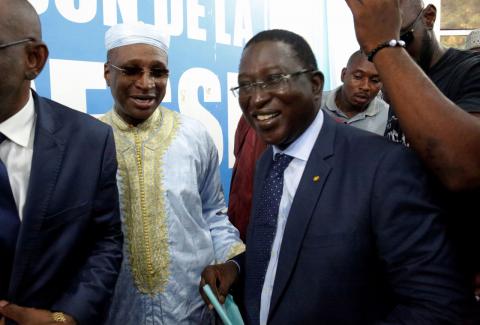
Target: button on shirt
(17,150)
(300,150)
(373,118)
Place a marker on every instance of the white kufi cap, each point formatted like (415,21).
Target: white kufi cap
(136,33)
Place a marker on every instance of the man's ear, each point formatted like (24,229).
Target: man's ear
(317,84)
(36,57)
(342,75)
(430,15)
(106,73)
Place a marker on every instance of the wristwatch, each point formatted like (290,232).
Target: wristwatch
(59,317)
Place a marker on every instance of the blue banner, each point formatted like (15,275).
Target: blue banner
(207,37)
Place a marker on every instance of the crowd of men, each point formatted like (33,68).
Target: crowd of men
(356,205)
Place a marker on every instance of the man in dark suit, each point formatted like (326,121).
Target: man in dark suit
(434,95)
(60,233)
(350,233)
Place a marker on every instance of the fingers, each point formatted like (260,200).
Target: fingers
(229,272)
(12,311)
(3,303)
(208,277)
(351,3)
(219,290)
(220,278)
(354,5)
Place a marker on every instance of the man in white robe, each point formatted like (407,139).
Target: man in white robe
(172,204)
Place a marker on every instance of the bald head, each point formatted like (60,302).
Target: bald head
(23,56)
(18,19)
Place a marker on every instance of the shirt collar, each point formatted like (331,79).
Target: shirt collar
(18,127)
(330,100)
(145,125)
(372,108)
(302,146)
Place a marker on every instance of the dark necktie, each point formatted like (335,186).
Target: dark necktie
(265,227)
(9,225)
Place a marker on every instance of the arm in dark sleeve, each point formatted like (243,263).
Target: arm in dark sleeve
(89,294)
(411,240)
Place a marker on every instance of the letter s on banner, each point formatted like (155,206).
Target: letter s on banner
(188,85)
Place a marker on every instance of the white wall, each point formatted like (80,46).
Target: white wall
(332,39)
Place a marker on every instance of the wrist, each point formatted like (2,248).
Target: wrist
(391,43)
(235,266)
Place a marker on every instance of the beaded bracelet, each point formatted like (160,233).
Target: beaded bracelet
(390,43)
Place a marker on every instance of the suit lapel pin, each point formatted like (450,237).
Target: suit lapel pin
(316,178)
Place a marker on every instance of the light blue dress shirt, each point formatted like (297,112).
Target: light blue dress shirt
(300,150)
(17,152)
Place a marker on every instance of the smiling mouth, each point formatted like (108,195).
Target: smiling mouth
(143,100)
(266,117)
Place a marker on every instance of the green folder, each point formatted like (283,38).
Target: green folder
(229,312)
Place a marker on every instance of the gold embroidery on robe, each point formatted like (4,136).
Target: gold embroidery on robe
(140,152)
(235,250)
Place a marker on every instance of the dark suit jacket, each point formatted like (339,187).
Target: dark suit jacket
(69,246)
(364,242)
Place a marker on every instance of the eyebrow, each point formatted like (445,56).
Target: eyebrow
(138,62)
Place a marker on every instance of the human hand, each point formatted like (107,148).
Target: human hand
(376,21)
(477,287)
(30,316)
(220,278)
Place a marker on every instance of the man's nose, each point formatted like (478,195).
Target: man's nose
(259,96)
(365,84)
(145,80)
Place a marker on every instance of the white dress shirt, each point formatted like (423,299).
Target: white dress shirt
(17,150)
(300,150)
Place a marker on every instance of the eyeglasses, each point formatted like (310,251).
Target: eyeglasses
(25,40)
(407,36)
(273,82)
(137,72)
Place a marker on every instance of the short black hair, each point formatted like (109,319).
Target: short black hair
(355,55)
(298,44)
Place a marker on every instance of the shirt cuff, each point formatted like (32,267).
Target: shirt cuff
(236,263)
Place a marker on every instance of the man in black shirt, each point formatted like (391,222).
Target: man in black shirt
(437,100)
(435,95)
(457,76)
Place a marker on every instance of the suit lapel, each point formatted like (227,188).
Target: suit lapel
(303,207)
(46,161)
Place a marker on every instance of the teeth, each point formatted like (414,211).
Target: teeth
(265,117)
(143,99)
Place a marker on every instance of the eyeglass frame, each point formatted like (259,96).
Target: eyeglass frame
(25,40)
(263,84)
(140,70)
(407,36)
